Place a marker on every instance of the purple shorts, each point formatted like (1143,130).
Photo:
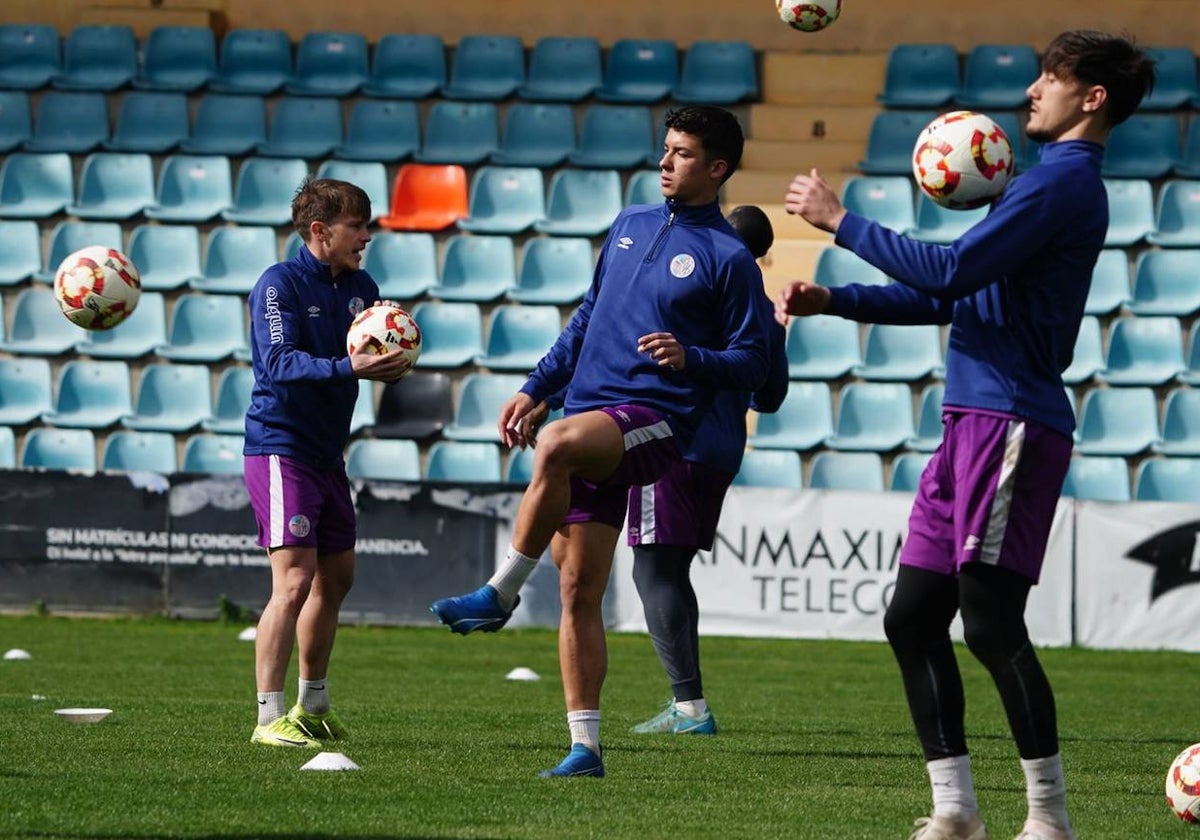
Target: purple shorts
(650,449)
(296,504)
(681,508)
(988,495)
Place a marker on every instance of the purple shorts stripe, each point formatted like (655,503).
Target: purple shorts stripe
(988,495)
(682,508)
(295,504)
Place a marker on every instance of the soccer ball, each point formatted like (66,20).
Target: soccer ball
(1183,785)
(97,287)
(962,160)
(382,329)
(808,17)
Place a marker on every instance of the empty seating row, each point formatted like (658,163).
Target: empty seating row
(1105,478)
(47,448)
(1146,350)
(482,67)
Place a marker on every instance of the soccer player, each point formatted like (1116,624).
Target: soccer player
(672,519)
(297,426)
(679,315)
(1012,289)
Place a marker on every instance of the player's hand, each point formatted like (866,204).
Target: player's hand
(513,431)
(800,298)
(813,200)
(386,368)
(665,349)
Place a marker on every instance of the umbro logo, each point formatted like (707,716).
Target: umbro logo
(624,243)
(314,311)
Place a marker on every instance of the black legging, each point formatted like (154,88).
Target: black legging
(661,573)
(992,602)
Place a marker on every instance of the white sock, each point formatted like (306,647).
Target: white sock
(953,787)
(511,576)
(692,708)
(1046,790)
(585,728)
(314,696)
(270,707)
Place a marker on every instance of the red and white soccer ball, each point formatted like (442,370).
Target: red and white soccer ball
(97,287)
(1183,785)
(963,160)
(808,17)
(382,329)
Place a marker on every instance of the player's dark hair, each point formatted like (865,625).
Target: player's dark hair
(1115,63)
(719,132)
(325,200)
(753,225)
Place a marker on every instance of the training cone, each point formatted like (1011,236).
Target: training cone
(249,634)
(330,761)
(17,653)
(523,674)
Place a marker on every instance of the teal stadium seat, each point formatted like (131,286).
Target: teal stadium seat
(1098,478)
(363,416)
(234,388)
(941,225)
(1174,79)
(1110,283)
(1177,216)
(373,459)
(1168,480)
(131,451)
(536,134)
(381,130)
(840,267)
(1143,351)
(1180,424)
(97,57)
(403,264)
(1144,146)
(1165,283)
(167,256)
(38,326)
(891,140)
(59,449)
(451,333)
(518,468)
(303,127)
(462,461)
(205,328)
(873,416)
(171,398)
(717,73)
(770,468)
(114,185)
(477,268)
(996,76)
(68,237)
(479,402)
(887,199)
(1117,421)
(69,121)
(920,76)
(25,392)
(928,436)
(8,449)
(486,68)
(804,419)
(1130,211)
(563,69)
(582,202)
(417,406)
(213,454)
(614,137)
(822,347)
(860,471)
(1088,357)
(178,58)
(30,55)
(136,336)
(1188,165)
(556,270)
(519,336)
(407,66)
(464,133)
(16,125)
(21,256)
(234,259)
(91,395)
(256,61)
(264,191)
(505,200)
(192,188)
(1191,374)
(331,64)
(639,71)
(227,125)
(644,187)
(906,471)
(370,176)
(901,352)
(154,122)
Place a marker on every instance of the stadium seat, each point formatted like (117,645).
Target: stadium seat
(330,64)
(583,202)
(1088,357)
(25,392)
(1177,216)
(614,137)
(840,267)
(1144,146)
(152,122)
(1130,211)
(519,336)
(887,199)
(101,58)
(205,328)
(133,451)
(1191,374)
(407,66)
(486,68)
(920,76)
(901,353)
(257,61)
(383,460)
(639,70)
(29,55)
(59,449)
(213,454)
(136,336)
(861,471)
(1143,351)
(1168,480)
(416,406)
(171,398)
(873,416)
(264,190)
(770,468)
(68,237)
(234,388)
(381,130)
(556,270)
(403,264)
(114,185)
(1188,165)
(929,429)
(505,199)
(717,73)
(370,176)
(38,326)
(293,244)
(427,198)
(1025,151)
(91,395)
(803,421)
(465,133)
(518,468)
(167,256)
(562,69)
(942,225)
(906,471)
(1098,478)
(1166,283)
(8,449)
(303,127)
(996,76)
(363,416)
(227,125)
(452,460)
(1180,423)
(234,259)
(451,333)
(16,125)
(536,135)
(476,268)
(822,347)
(1117,421)
(1174,79)
(75,122)
(479,402)
(644,187)
(21,256)
(1110,283)
(891,140)
(178,58)
(192,188)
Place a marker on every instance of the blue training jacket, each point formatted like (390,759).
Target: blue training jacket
(304,388)
(1012,288)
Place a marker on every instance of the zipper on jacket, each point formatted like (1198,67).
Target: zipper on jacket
(658,240)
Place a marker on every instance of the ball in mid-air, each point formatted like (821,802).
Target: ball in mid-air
(808,17)
(962,160)
(97,287)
